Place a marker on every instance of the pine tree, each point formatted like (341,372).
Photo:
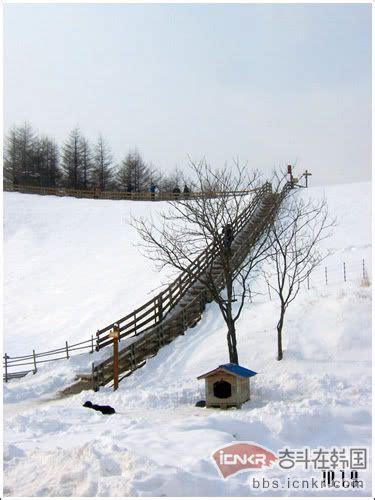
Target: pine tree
(11,168)
(103,165)
(122,177)
(26,142)
(47,160)
(133,174)
(72,160)
(19,148)
(86,163)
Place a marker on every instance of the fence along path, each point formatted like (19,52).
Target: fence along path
(168,314)
(180,306)
(110,195)
(30,362)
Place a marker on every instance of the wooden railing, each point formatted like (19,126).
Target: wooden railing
(157,330)
(30,362)
(114,195)
(154,312)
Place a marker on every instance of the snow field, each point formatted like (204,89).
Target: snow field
(158,443)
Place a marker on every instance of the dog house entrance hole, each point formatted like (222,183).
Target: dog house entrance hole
(222,389)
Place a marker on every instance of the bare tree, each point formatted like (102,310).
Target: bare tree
(154,175)
(173,181)
(193,224)
(295,236)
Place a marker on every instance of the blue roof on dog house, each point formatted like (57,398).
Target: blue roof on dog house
(238,370)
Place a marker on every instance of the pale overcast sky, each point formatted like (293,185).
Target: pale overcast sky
(271,84)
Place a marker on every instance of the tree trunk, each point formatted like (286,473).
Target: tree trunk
(231,335)
(279,335)
(232,343)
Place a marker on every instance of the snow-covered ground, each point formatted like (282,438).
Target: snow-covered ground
(71,267)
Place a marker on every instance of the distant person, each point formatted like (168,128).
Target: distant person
(176,191)
(152,191)
(227,236)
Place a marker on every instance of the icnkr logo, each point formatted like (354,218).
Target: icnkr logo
(236,457)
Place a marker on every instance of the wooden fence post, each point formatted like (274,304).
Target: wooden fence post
(34,358)
(308,282)
(94,388)
(160,335)
(132,357)
(115,333)
(6,366)
(326,274)
(160,306)
(67,350)
(92,344)
(97,341)
(344,272)
(363,269)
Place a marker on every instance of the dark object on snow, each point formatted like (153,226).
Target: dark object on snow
(200,404)
(106,410)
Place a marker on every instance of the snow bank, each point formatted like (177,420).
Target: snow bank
(158,443)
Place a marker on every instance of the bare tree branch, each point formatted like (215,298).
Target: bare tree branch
(195,223)
(295,239)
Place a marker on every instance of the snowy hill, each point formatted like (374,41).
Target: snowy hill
(70,268)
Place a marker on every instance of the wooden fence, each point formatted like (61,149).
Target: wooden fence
(155,310)
(180,305)
(30,363)
(115,195)
(169,313)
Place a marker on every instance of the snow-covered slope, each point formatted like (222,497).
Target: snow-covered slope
(159,443)
(70,267)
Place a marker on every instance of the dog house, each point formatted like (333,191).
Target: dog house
(227,385)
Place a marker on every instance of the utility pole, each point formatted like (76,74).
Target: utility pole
(293,181)
(115,334)
(290,176)
(305,175)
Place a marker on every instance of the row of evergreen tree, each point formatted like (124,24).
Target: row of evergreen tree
(33,160)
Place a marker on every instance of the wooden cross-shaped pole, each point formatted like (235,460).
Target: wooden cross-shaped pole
(115,334)
(305,175)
